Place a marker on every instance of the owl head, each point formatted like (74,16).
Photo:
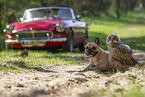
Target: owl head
(112,38)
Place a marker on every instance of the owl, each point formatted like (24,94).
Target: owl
(119,51)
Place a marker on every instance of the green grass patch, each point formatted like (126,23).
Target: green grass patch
(130,28)
(12,60)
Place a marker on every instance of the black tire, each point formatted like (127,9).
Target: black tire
(82,45)
(86,34)
(68,45)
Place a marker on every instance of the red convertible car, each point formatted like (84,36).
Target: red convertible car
(47,27)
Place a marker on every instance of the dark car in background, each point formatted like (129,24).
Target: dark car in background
(47,27)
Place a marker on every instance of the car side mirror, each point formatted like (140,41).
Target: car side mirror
(78,17)
(21,19)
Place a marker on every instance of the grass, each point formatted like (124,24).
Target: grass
(130,28)
(38,58)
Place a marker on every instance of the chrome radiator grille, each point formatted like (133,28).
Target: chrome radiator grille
(26,35)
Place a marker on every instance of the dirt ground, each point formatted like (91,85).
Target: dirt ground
(54,82)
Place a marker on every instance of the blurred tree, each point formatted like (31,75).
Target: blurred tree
(91,8)
(143,3)
(118,9)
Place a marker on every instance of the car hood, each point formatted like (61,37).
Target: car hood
(37,25)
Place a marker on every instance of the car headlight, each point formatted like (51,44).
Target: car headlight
(8,29)
(59,28)
(17,37)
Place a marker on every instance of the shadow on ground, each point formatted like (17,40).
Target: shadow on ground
(20,64)
(23,65)
(136,43)
(41,69)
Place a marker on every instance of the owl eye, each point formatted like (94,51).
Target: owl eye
(93,48)
(86,48)
(109,39)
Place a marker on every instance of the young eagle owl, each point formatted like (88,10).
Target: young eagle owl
(119,51)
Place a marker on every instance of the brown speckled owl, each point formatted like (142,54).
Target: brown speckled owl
(119,51)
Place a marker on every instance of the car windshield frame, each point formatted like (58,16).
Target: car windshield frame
(48,13)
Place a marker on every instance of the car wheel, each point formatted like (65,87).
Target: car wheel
(82,45)
(68,45)
(86,34)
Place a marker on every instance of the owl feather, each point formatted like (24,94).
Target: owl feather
(119,51)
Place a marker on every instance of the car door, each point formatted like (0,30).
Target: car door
(79,30)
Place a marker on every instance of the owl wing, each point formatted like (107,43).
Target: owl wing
(124,49)
(123,54)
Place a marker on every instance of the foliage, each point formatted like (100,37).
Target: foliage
(130,28)
(12,10)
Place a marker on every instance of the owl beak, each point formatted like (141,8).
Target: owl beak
(111,39)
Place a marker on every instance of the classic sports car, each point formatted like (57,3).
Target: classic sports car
(47,27)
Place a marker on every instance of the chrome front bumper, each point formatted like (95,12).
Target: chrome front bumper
(38,42)
(31,43)
(44,40)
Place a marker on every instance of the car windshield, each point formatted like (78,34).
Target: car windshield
(47,14)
